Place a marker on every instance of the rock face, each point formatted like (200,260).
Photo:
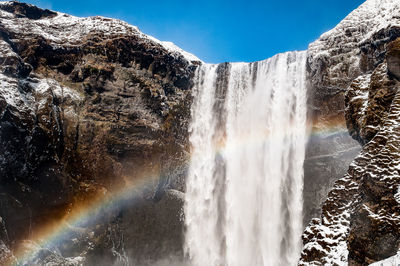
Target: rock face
(88,105)
(92,105)
(359,61)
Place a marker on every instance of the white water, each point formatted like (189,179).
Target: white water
(243,201)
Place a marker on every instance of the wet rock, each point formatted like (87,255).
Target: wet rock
(359,220)
(22,10)
(368,101)
(158,224)
(393,58)
(87,106)
(6,256)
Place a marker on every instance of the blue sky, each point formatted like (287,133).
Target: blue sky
(221,30)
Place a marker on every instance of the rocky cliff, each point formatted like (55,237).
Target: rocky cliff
(359,61)
(87,106)
(91,106)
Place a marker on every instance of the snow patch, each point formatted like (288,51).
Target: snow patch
(64,29)
(391,261)
(397,195)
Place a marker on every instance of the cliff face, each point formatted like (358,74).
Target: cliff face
(359,60)
(91,105)
(88,105)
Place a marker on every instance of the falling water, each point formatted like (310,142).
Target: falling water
(244,189)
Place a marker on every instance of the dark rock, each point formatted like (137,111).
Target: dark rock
(359,219)
(393,58)
(22,10)
(86,109)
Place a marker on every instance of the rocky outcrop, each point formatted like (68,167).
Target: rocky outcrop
(92,105)
(87,105)
(358,59)
(353,48)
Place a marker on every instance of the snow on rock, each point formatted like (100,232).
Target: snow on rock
(335,58)
(353,48)
(377,165)
(12,91)
(170,46)
(367,102)
(60,31)
(392,261)
(347,66)
(64,29)
(356,101)
(75,94)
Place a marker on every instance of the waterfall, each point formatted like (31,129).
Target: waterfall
(243,203)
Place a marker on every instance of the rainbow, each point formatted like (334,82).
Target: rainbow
(109,201)
(89,213)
